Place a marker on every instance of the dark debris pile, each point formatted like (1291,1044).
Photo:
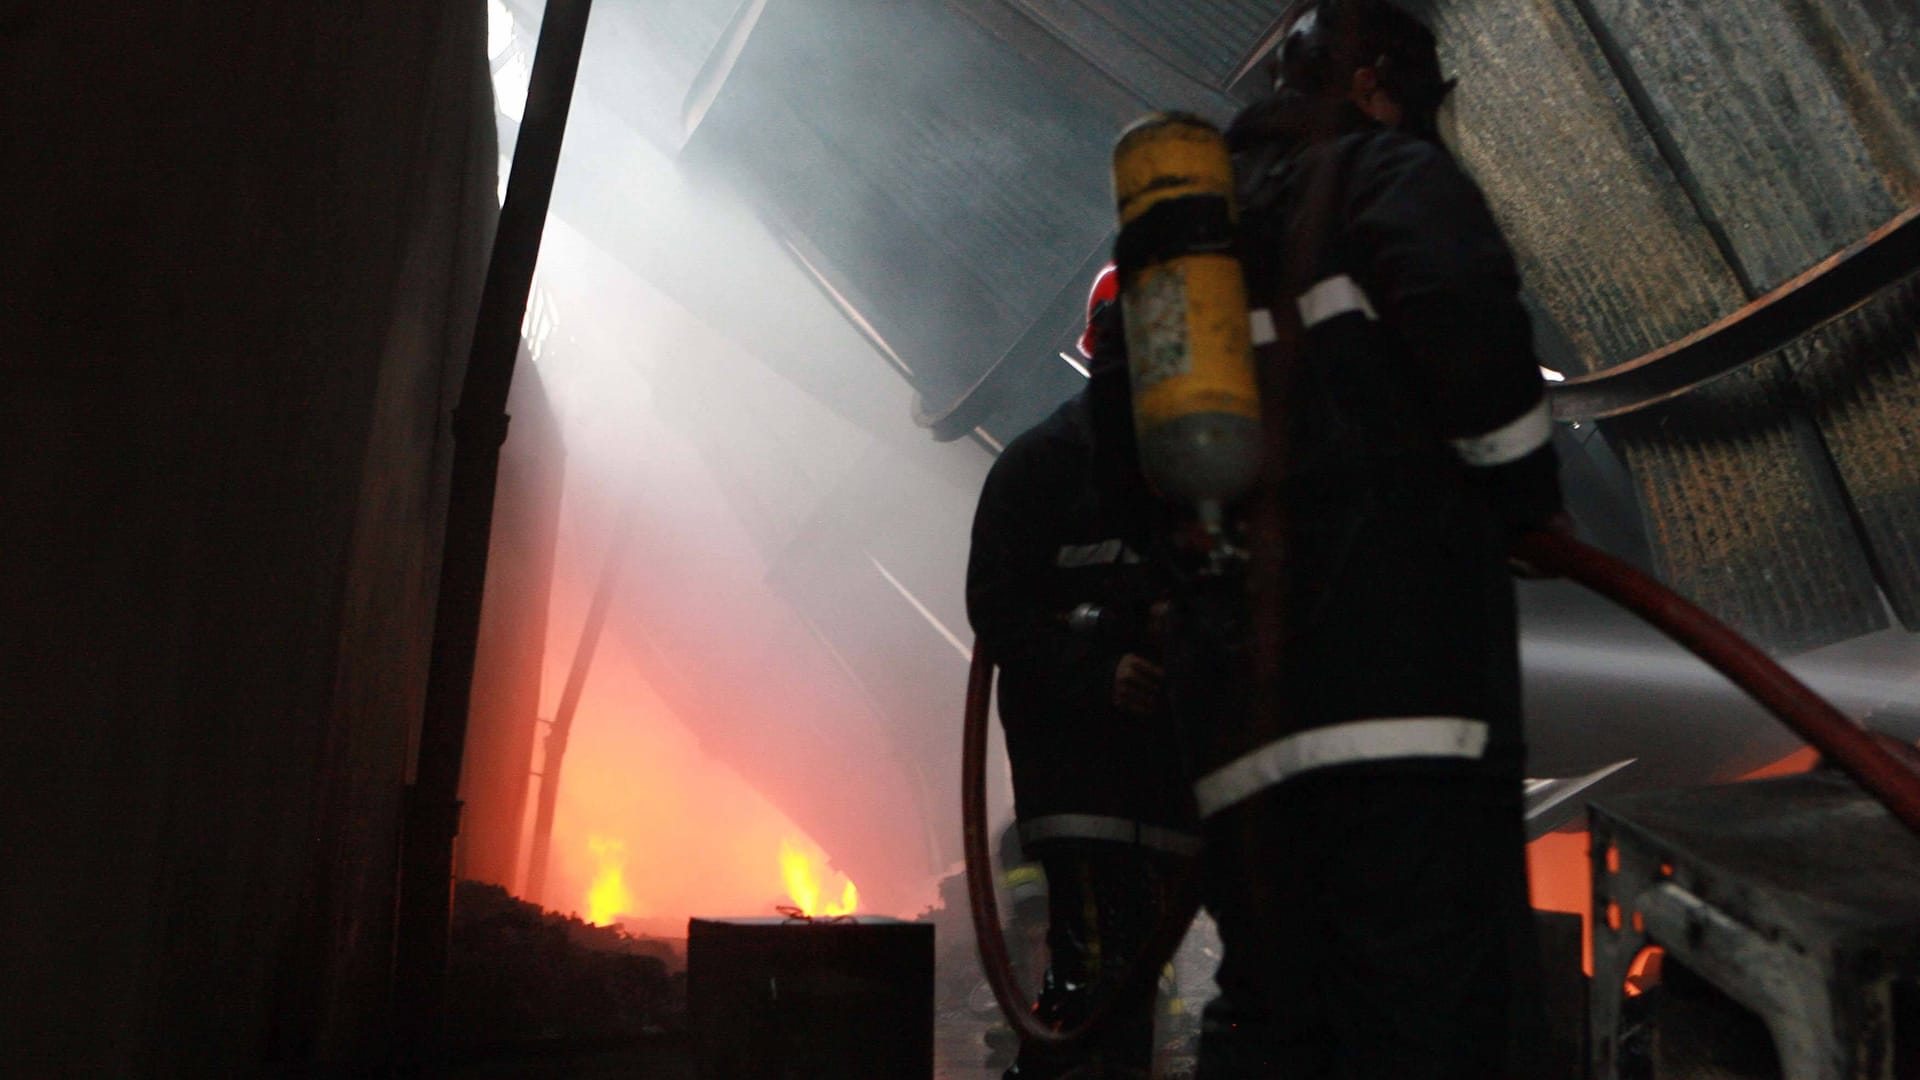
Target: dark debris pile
(518,973)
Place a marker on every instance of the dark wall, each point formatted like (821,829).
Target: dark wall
(239,258)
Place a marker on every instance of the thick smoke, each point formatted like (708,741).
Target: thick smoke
(785,652)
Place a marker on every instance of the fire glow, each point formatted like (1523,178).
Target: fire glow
(803,879)
(1560,868)
(608,897)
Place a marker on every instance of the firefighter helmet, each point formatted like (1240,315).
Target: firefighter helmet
(1325,41)
(1105,291)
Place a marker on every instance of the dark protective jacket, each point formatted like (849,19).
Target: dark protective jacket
(1054,530)
(1418,444)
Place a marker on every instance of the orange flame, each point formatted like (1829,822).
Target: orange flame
(803,884)
(1644,973)
(608,897)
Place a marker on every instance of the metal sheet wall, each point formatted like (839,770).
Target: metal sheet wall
(1657,168)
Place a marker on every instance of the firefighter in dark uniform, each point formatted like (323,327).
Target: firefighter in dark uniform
(1062,600)
(1365,854)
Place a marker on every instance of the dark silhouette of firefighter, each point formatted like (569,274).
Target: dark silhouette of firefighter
(1365,848)
(1061,598)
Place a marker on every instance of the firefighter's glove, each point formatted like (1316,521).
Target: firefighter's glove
(1136,685)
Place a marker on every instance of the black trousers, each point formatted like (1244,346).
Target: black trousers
(1373,926)
(1104,900)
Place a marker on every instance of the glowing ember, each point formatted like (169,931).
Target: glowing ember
(1562,880)
(1644,974)
(803,884)
(609,896)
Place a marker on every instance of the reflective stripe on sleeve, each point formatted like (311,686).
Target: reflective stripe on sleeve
(1260,328)
(1510,442)
(1332,298)
(1101,827)
(1339,744)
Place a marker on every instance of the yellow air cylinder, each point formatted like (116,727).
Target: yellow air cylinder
(1196,402)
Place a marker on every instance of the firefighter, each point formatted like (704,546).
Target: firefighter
(1365,846)
(1062,600)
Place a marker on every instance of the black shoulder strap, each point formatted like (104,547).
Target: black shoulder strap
(1278,338)
(1277,278)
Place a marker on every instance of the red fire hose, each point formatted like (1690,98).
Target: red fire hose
(1883,767)
(1889,771)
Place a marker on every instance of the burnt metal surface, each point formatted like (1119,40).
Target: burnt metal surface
(1861,380)
(1611,251)
(1759,124)
(948,232)
(1035,374)
(1738,521)
(1788,129)
(1871,49)
(1835,287)
(1794,127)
(1622,256)
(1615,260)
(1798,898)
(948,184)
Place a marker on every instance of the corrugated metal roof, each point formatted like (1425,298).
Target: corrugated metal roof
(1205,37)
(947,185)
